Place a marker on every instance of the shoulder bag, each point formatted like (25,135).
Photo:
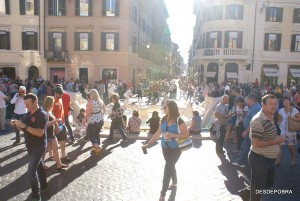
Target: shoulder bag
(183,143)
(293,125)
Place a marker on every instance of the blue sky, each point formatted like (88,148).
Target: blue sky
(181,22)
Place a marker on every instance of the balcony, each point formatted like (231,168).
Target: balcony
(57,56)
(222,53)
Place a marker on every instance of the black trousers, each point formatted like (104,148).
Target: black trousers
(220,139)
(171,157)
(239,131)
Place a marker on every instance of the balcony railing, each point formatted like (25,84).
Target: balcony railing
(222,53)
(57,55)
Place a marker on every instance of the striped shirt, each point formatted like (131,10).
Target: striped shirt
(264,129)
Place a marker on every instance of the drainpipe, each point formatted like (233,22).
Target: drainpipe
(39,27)
(254,37)
(45,28)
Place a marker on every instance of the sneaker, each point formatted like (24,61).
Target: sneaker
(238,165)
(96,151)
(17,142)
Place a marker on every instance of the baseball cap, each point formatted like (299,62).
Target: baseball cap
(58,90)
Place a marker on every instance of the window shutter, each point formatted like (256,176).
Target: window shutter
(64,41)
(268,14)
(7,8)
(90,41)
(22,7)
(203,41)
(278,42)
(117,6)
(50,41)
(279,14)
(219,39)
(36,7)
(23,40)
(76,41)
(103,42)
(90,7)
(207,40)
(266,43)
(77,8)
(117,42)
(63,7)
(35,41)
(241,12)
(293,43)
(8,40)
(226,45)
(103,7)
(240,39)
(50,7)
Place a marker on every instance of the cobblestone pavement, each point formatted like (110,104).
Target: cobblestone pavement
(124,173)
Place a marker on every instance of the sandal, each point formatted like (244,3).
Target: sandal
(46,167)
(67,158)
(62,167)
(51,158)
(292,163)
(172,186)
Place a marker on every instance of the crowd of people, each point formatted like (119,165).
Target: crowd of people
(258,113)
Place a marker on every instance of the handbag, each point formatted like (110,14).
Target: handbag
(183,143)
(293,125)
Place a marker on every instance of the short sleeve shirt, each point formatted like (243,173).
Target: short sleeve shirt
(222,109)
(2,101)
(58,109)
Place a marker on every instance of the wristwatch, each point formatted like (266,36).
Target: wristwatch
(26,127)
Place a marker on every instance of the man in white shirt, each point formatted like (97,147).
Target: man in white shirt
(3,98)
(19,111)
(110,88)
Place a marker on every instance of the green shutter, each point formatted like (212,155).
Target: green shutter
(76,41)
(7,7)
(64,41)
(293,43)
(63,7)
(8,40)
(117,42)
(103,7)
(50,7)
(240,39)
(268,14)
(103,42)
(241,12)
(77,8)
(266,42)
(279,14)
(35,41)
(50,41)
(219,39)
(23,40)
(90,41)
(226,45)
(278,42)
(22,7)
(90,7)
(117,6)
(36,7)
(207,40)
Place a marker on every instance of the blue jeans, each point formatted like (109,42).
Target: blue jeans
(36,171)
(262,174)
(243,159)
(118,126)
(93,131)
(17,117)
(67,123)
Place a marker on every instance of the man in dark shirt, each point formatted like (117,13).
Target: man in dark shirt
(34,125)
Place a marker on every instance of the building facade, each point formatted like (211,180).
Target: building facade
(87,40)
(242,40)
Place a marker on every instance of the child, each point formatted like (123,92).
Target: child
(154,122)
(241,112)
(80,123)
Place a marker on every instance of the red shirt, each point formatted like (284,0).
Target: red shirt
(66,102)
(58,109)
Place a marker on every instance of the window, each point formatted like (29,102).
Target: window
(29,7)
(295,46)
(235,12)
(29,40)
(272,42)
(83,41)
(233,39)
(83,75)
(83,7)
(110,8)
(56,7)
(4,7)
(134,13)
(274,14)
(57,41)
(109,41)
(134,44)
(4,40)
(214,13)
(296,15)
(214,39)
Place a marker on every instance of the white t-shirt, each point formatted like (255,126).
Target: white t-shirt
(284,123)
(2,101)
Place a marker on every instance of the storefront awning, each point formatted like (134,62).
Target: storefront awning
(231,75)
(211,74)
(295,72)
(270,71)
